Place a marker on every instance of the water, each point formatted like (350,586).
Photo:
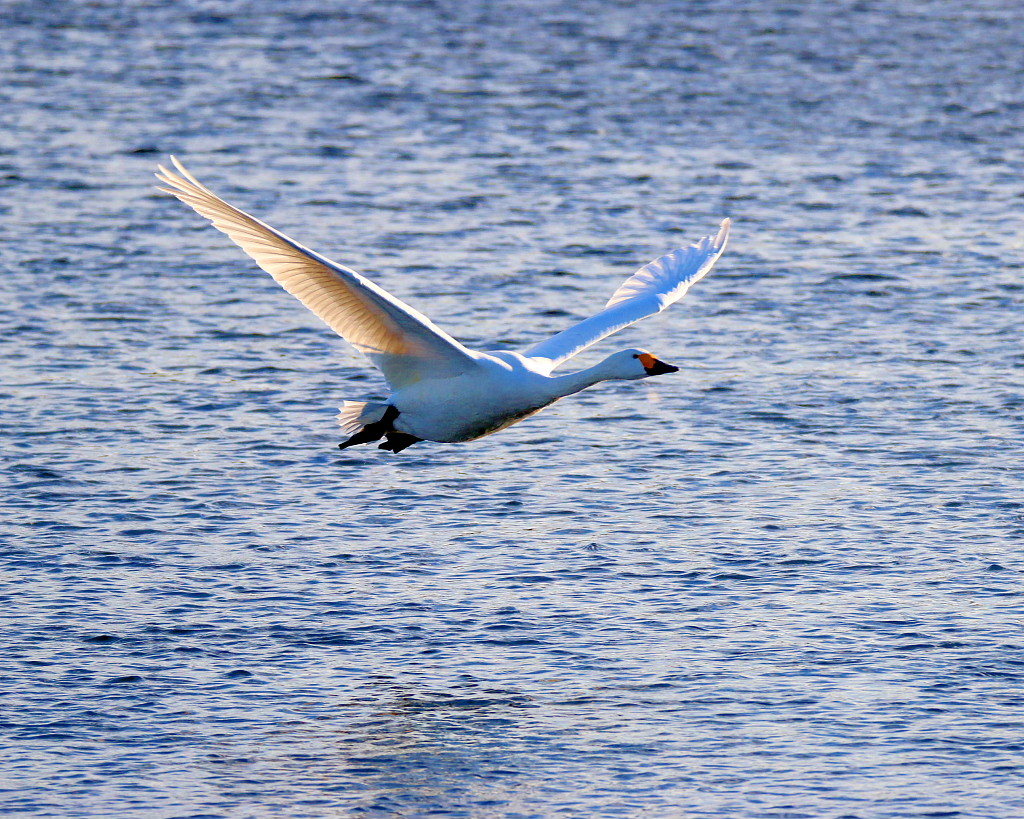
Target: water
(784,584)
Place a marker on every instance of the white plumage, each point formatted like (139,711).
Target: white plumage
(443,391)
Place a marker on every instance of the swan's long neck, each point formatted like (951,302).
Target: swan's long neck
(563,385)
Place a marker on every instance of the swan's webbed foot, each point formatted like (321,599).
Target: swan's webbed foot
(397,441)
(364,436)
(375,431)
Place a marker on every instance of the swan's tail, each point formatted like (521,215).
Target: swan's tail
(355,415)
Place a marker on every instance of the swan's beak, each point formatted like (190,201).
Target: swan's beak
(659,367)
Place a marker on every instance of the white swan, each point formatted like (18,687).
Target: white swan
(442,391)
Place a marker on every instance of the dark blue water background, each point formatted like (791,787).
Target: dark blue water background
(785,583)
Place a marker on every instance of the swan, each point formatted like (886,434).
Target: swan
(441,390)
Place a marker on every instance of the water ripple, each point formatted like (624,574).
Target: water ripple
(784,583)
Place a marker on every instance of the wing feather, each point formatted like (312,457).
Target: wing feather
(402,342)
(650,290)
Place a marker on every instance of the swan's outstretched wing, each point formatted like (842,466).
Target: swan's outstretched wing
(403,343)
(648,291)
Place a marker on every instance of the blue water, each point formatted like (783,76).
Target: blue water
(783,583)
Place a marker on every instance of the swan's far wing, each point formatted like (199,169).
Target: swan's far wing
(402,342)
(650,290)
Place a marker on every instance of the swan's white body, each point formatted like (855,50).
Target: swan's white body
(500,389)
(441,390)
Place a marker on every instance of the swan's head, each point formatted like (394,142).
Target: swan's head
(638,364)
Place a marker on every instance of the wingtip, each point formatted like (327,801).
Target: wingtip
(180,177)
(723,232)
(183,170)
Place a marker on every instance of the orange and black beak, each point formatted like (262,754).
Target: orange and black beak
(655,366)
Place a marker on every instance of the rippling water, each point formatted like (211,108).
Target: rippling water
(784,583)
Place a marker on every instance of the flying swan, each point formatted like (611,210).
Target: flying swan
(441,390)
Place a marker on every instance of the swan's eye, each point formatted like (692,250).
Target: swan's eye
(636,355)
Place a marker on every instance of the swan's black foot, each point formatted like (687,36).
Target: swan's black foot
(364,436)
(374,431)
(397,441)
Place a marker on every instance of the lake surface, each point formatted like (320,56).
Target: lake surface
(785,582)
